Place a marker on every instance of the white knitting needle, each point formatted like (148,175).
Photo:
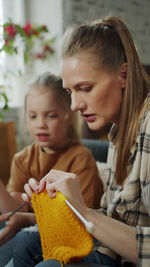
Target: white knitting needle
(88,225)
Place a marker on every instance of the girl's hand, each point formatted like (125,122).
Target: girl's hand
(30,188)
(14,224)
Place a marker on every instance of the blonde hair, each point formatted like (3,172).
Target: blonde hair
(53,83)
(110,42)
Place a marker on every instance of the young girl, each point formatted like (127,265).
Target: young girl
(50,122)
(101,70)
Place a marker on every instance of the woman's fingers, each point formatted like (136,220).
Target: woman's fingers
(49,178)
(42,184)
(54,181)
(34,184)
(25,197)
(51,189)
(30,188)
(67,183)
(55,175)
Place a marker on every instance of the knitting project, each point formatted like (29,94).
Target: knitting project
(63,236)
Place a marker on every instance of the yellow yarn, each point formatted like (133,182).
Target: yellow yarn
(63,236)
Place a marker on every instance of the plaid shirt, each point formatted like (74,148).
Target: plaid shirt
(143,237)
(125,203)
(143,233)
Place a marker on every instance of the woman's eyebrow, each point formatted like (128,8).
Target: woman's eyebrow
(78,84)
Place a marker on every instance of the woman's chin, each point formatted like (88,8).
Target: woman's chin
(96,126)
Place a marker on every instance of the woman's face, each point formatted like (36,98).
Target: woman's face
(96,93)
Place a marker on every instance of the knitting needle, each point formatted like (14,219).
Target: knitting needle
(12,213)
(88,225)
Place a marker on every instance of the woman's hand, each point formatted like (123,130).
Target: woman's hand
(65,182)
(14,224)
(30,188)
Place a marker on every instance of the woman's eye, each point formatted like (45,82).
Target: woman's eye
(86,89)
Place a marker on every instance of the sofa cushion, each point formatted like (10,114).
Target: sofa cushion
(98,148)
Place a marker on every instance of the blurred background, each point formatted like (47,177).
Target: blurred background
(24,55)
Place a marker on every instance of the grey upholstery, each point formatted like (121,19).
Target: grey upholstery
(99,148)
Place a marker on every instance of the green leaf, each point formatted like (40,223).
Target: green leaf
(8,50)
(20,30)
(16,50)
(5,107)
(1,117)
(49,41)
(19,72)
(25,57)
(5,101)
(42,28)
(7,24)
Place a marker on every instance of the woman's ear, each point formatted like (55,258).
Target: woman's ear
(123,72)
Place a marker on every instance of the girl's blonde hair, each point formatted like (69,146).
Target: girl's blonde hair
(110,43)
(53,83)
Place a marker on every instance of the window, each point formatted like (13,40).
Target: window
(20,12)
(15,11)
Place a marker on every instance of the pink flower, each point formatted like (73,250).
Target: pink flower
(40,55)
(28,29)
(11,30)
(35,32)
(47,48)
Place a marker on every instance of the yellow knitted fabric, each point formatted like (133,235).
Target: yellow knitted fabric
(63,236)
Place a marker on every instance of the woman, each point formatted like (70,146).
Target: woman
(101,70)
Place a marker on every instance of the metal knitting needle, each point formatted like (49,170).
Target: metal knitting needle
(88,225)
(12,213)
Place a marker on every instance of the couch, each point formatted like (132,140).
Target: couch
(99,148)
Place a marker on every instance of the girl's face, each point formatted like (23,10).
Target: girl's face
(46,119)
(96,93)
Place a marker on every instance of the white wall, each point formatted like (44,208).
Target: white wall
(135,13)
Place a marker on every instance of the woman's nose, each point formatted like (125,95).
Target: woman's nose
(76,102)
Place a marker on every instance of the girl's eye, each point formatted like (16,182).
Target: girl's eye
(52,115)
(32,116)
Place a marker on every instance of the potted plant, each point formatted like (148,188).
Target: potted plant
(29,43)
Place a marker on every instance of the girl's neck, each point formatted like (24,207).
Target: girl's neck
(52,150)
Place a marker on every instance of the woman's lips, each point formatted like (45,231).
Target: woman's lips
(43,137)
(89,117)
